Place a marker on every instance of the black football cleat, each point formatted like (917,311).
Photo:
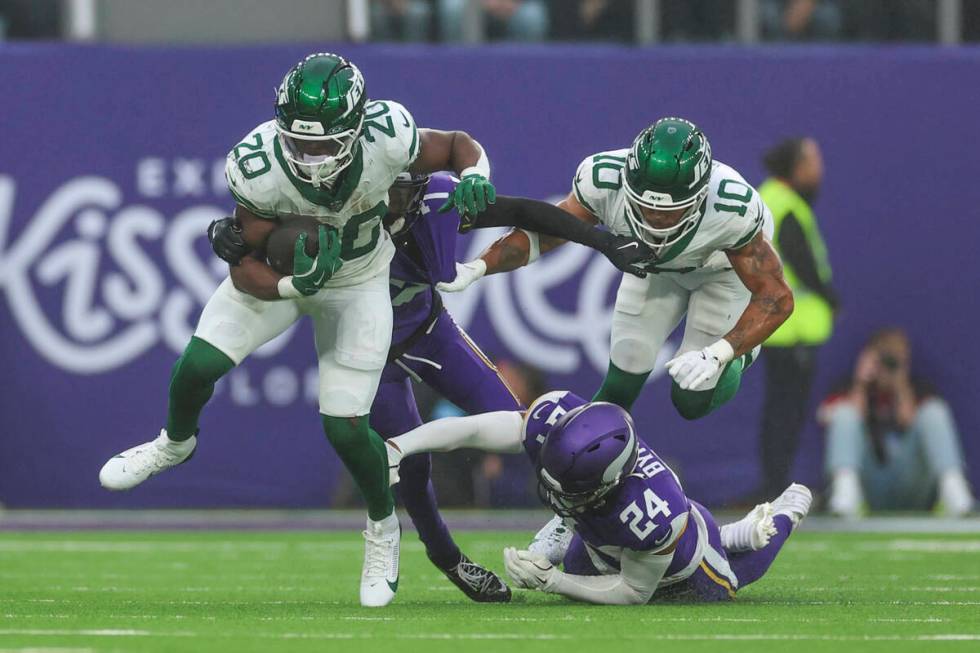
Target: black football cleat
(477,582)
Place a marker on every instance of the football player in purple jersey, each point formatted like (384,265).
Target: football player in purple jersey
(624,530)
(427,345)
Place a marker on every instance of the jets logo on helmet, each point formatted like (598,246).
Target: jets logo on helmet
(667,169)
(319,115)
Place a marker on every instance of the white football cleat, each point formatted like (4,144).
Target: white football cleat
(552,541)
(794,503)
(379,576)
(394,460)
(133,466)
(751,532)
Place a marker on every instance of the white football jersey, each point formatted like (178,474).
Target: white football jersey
(734,212)
(262,182)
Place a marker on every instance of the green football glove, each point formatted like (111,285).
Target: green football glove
(472,195)
(311,272)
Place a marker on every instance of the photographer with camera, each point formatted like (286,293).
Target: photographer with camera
(892,443)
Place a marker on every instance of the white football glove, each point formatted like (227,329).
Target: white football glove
(466,273)
(529,570)
(394,462)
(691,369)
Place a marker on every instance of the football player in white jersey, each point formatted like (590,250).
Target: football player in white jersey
(709,233)
(331,154)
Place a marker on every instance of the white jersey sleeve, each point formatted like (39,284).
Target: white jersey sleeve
(390,127)
(640,573)
(245,170)
(598,183)
(739,210)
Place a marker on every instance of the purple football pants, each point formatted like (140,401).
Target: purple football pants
(705,584)
(448,362)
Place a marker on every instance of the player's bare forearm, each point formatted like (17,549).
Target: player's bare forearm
(446,150)
(254,277)
(512,251)
(759,268)
(255,230)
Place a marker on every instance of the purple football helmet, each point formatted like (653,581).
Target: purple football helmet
(585,455)
(405,203)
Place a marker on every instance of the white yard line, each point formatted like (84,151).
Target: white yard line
(922,546)
(501,636)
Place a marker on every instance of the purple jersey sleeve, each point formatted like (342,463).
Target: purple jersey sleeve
(436,232)
(433,259)
(542,415)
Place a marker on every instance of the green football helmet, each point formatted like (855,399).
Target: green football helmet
(319,115)
(668,168)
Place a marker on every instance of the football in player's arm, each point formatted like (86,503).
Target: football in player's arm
(247,232)
(329,154)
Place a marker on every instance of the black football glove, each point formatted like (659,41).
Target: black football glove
(226,240)
(627,254)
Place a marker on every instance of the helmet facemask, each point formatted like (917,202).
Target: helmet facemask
(321,170)
(569,504)
(660,240)
(405,209)
(569,500)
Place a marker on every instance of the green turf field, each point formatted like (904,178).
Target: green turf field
(292,591)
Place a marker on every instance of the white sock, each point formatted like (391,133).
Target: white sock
(750,533)
(386,525)
(846,495)
(954,493)
(180,446)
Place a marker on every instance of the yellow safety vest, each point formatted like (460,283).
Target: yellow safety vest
(812,320)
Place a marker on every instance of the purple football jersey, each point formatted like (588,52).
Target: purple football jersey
(644,513)
(423,258)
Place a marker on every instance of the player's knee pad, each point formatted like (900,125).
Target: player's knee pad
(633,355)
(201,365)
(345,390)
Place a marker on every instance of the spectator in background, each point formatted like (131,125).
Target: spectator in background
(592,20)
(891,439)
(401,20)
(801,20)
(30,19)
(971,21)
(511,20)
(790,353)
(889,20)
(698,20)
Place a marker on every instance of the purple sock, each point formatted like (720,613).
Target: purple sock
(749,566)
(419,498)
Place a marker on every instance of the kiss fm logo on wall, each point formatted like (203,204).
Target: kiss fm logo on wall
(94,280)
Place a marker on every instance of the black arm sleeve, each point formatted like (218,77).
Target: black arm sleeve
(794,249)
(542,218)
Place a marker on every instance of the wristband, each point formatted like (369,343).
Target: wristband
(722,350)
(286,288)
(534,246)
